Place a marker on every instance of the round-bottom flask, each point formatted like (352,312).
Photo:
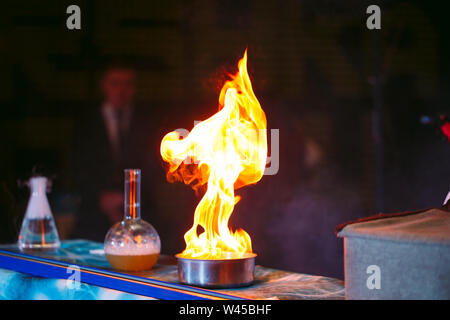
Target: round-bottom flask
(132,244)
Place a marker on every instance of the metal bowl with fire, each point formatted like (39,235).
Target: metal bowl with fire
(220,155)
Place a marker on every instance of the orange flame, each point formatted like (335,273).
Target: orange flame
(224,152)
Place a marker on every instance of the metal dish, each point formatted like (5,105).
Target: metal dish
(224,273)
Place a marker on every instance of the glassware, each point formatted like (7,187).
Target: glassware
(38,230)
(132,244)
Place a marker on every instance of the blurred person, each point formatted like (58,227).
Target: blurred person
(110,137)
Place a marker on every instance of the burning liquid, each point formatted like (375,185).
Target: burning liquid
(132,259)
(39,234)
(225,152)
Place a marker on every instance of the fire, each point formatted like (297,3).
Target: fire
(222,153)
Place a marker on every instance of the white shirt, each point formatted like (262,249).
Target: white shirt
(114,123)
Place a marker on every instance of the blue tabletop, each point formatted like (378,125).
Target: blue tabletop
(269,283)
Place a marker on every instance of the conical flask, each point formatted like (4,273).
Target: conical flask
(38,230)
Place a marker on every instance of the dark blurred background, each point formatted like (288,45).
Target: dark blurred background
(347,102)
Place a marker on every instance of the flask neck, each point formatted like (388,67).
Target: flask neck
(132,196)
(38,186)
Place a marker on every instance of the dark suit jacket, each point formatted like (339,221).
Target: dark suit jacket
(97,170)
